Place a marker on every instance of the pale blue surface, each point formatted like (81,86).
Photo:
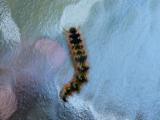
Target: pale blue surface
(122,38)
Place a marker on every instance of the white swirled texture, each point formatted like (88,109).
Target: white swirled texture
(122,39)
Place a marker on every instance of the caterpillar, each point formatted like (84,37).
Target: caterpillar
(80,63)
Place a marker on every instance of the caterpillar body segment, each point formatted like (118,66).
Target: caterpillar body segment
(81,58)
(83,68)
(77,47)
(65,92)
(70,88)
(80,63)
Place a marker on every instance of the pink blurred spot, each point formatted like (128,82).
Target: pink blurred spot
(55,54)
(8,102)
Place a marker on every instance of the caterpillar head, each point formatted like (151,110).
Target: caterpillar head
(72,30)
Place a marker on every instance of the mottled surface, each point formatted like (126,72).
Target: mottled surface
(122,39)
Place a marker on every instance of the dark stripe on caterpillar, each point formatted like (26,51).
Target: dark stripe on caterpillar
(76,41)
(80,64)
(78,52)
(77,47)
(83,68)
(81,58)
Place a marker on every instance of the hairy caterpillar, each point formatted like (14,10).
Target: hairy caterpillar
(80,63)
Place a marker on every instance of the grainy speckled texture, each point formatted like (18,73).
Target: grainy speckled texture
(122,38)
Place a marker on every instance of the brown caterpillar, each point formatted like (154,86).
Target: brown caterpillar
(80,63)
